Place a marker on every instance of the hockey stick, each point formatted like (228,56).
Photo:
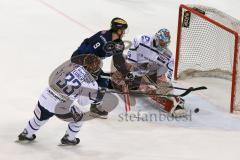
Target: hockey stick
(188,90)
(136,92)
(126,98)
(179,88)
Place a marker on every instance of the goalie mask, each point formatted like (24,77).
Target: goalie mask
(162,38)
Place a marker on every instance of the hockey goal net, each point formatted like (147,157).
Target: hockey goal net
(208,45)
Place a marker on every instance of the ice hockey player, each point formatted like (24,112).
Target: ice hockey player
(69,84)
(104,44)
(151,64)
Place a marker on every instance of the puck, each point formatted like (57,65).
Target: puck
(196,110)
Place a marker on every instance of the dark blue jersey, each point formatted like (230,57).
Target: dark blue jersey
(94,44)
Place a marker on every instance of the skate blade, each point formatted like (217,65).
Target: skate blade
(97,116)
(67,145)
(24,142)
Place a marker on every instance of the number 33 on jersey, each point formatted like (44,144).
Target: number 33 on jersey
(71,80)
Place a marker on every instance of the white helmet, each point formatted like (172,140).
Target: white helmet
(162,38)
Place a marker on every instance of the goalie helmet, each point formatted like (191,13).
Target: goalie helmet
(118,23)
(162,38)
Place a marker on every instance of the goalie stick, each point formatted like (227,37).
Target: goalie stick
(126,98)
(190,89)
(136,92)
(187,90)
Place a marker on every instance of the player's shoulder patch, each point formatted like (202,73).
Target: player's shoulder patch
(79,72)
(146,38)
(83,75)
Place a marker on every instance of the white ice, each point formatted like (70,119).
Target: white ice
(38,35)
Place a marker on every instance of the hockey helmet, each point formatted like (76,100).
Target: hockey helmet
(118,23)
(162,38)
(92,64)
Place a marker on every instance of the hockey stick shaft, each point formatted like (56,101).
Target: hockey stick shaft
(136,92)
(179,88)
(187,90)
(126,98)
(152,82)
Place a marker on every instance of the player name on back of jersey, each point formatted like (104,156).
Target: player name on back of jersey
(82,75)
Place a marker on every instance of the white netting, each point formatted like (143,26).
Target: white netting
(208,50)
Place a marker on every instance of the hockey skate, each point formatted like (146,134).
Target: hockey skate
(96,112)
(179,112)
(23,136)
(66,141)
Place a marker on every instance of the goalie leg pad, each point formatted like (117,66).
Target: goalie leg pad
(166,103)
(172,105)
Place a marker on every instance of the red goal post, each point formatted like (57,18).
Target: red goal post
(208,46)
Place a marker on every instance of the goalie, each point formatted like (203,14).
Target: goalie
(150,62)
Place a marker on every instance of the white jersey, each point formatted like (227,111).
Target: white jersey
(68,83)
(149,59)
